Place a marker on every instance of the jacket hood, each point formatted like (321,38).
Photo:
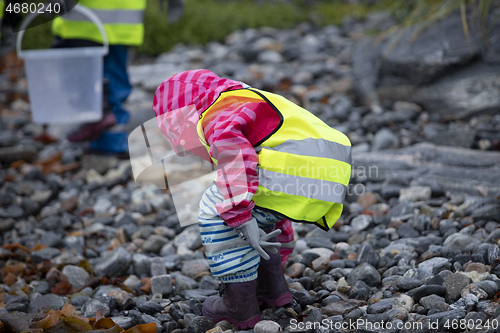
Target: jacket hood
(179,102)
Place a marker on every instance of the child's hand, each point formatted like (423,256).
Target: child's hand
(257,238)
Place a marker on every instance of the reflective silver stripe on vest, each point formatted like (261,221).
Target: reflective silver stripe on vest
(111,16)
(315,148)
(305,187)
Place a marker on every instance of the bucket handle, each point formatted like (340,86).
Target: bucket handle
(79,8)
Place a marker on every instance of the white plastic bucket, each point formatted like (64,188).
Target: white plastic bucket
(65,85)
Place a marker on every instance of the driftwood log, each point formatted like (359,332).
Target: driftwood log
(457,170)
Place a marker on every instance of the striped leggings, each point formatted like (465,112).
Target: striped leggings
(230,258)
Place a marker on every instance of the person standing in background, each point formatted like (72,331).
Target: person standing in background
(124,24)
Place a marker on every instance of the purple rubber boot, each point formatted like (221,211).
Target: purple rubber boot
(272,288)
(238,305)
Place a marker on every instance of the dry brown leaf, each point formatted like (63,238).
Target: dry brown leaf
(62,288)
(15,246)
(146,285)
(68,310)
(98,316)
(114,329)
(55,158)
(9,279)
(39,246)
(61,168)
(144,328)
(48,319)
(78,324)
(104,323)
(65,320)
(16,165)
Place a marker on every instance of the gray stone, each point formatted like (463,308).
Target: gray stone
(415,193)
(158,267)
(450,316)
(150,308)
(145,318)
(267,326)
(13,211)
(200,325)
(407,231)
(270,57)
(102,206)
(468,303)
(162,284)
(434,265)
(194,267)
(366,273)
(406,283)
(167,249)
(487,212)
(401,209)
(141,264)
(154,243)
(17,307)
(368,254)
(426,290)
(77,276)
(461,242)
(114,263)
(91,308)
(302,297)
(493,253)
(320,264)
(384,139)
(341,105)
(6,224)
(490,287)
(76,243)
(413,57)
(189,238)
(434,302)
(361,222)
(198,294)
(340,308)
(79,299)
(39,304)
(473,289)
(208,282)
(466,138)
(318,242)
(132,281)
(123,322)
(40,286)
(381,306)
(51,239)
(183,282)
(455,95)
(44,254)
(67,258)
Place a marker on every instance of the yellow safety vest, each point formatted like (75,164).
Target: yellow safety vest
(304,165)
(123,21)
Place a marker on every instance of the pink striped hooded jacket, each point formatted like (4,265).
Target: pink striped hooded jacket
(231,134)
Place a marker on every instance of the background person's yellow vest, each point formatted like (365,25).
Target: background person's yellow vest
(304,165)
(123,21)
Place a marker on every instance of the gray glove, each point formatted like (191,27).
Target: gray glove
(257,238)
